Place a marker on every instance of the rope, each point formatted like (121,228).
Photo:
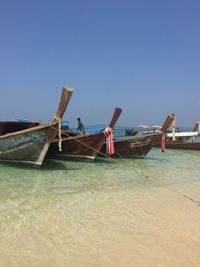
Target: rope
(120,156)
(185,196)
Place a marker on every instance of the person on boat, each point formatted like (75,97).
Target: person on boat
(81,127)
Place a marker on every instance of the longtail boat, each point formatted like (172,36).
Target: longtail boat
(139,145)
(182,140)
(28,142)
(83,146)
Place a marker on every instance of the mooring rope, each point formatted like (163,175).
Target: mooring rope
(120,156)
(185,196)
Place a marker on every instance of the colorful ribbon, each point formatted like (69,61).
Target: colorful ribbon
(109,141)
(173,130)
(163,143)
(57,118)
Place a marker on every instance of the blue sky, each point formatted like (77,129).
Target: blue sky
(143,56)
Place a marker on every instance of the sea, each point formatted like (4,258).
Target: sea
(106,213)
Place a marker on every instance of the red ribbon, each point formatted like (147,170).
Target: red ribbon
(163,143)
(110,144)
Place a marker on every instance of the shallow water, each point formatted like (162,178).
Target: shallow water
(133,212)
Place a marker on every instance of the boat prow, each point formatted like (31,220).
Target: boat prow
(30,145)
(83,146)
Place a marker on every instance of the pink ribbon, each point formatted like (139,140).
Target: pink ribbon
(109,144)
(163,143)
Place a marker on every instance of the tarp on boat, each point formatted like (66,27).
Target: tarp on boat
(94,130)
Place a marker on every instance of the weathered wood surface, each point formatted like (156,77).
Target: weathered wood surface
(170,118)
(64,100)
(166,125)
(132,147)
(27,146)
(196,127)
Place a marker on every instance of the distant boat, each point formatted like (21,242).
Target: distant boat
(139,145)
(28,142)
(183,140)
(83,146)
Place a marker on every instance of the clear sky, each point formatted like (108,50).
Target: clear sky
(143,56)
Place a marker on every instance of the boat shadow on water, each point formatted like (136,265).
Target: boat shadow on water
(16,165)
(156,159)
(62,164)
(56,164)
(51,164)
(46,166)
(97,160)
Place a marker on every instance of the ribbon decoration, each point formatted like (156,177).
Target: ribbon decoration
(109,141)
(59,120)
(173,130)
(163,143)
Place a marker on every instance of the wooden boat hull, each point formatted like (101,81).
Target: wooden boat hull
(180,145)
(132,147)
(83,146)
(25,143)
(27,146)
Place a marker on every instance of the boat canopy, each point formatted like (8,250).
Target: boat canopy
(141,125)
(184,134)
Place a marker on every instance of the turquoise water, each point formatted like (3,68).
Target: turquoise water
(123,212)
